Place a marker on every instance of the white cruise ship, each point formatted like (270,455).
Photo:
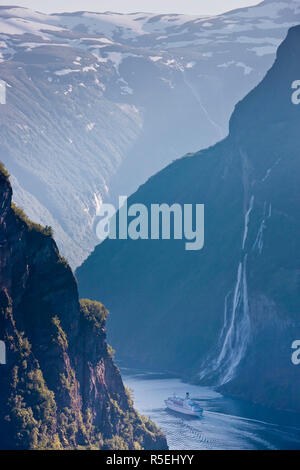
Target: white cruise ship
(184,405)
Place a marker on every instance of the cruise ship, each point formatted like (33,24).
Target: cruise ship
(184,406)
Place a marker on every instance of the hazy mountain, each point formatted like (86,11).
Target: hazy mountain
(228,314)
(97,103)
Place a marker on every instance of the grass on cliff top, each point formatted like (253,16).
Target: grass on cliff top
(3,170)
(93,311)
(48,231)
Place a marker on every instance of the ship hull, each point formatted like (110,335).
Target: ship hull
(182,410)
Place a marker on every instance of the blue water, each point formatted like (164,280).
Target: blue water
(226,423)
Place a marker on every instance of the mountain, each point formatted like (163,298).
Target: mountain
(97,103)
(59,386)
(226,315)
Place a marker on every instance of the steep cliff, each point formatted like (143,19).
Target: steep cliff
(59,387)
(97,103)
(226,315)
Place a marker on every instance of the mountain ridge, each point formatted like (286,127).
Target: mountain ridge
(228,315)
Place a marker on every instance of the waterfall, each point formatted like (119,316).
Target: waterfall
(234,336)
(259,241)
(237,337)
(246,224)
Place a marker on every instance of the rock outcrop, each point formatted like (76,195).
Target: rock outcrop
(59,387)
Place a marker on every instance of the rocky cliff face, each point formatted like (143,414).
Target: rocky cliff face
(59,387)
(97,103)
(228,314)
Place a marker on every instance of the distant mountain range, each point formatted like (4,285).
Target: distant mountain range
(97,103)
(226,315)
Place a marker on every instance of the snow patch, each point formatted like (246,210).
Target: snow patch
(247,69)
(155,58)
(261,51)
(89,127)
(90,68)
(63,72)
(190,65)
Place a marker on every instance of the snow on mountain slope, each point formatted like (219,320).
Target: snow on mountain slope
(98,102)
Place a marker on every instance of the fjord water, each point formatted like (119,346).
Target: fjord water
(226,423)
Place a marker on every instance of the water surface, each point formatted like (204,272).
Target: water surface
(226,423)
